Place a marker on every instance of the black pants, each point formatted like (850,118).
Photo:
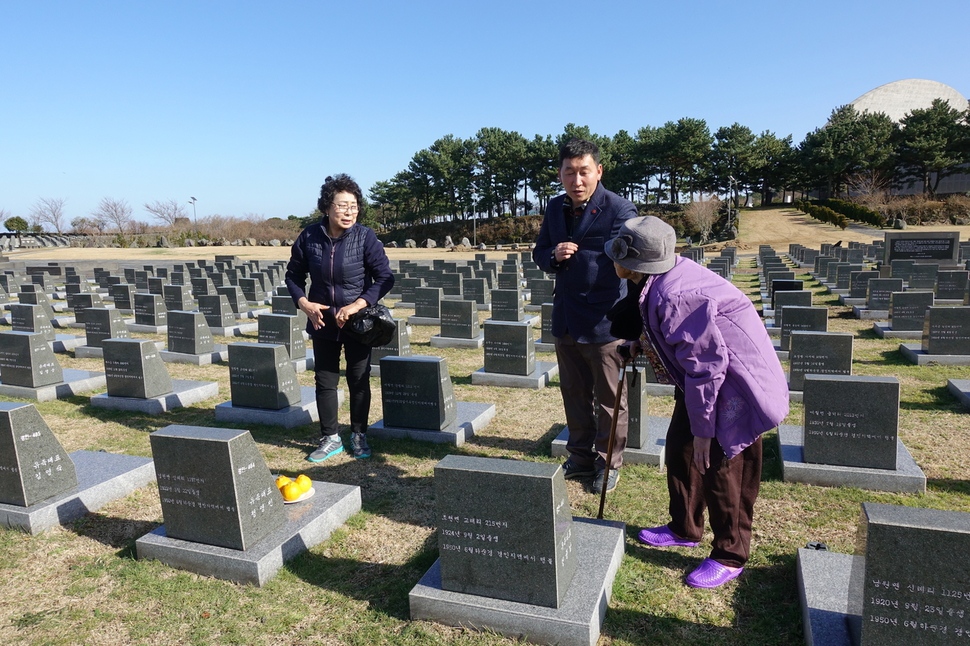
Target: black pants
(326,363)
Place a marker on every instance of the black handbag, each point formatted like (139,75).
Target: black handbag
(372,326)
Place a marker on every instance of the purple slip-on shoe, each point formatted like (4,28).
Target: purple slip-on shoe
(663,537)
(711,574)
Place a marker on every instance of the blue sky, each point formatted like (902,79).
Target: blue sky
(249,105)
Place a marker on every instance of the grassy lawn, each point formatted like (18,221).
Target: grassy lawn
(81,584)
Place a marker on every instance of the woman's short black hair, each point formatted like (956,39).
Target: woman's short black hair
(340,182)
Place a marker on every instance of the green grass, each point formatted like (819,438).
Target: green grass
(81,584)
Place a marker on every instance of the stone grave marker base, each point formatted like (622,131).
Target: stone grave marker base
(184,393)
(63,343)
(960,388)
(307,523)
(220,354)
(867,314)
(92,352)
(884,331)
(75,382)
(424,320)
(660,390)
(101,477)
(652,453)
(823,594)
(141,328)
(545,347)
(906,478)
(471,417)
(235,330)
(540,377)
(438,341)
(913,353)
(576,622)
(287,417)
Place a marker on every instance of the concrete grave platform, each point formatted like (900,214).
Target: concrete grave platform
(660,390)
(184,393)
(254,312)
(220,354)
(545,347)
(63,343)
(308,523)
(141,328)
(471,417)
(960,388)
(884,331)
(913,352)
(235,330)
(63,321)
(867,314)
(540,377)
(577,621)
(824,580)
(651,453)
(102,478)
(304,364)
(288,417)
(438,341)
(424,320)
(848,301)
(906,478)
(75,382)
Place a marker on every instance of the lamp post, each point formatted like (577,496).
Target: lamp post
(195,218)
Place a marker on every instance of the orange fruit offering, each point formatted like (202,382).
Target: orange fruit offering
(282,481)
(304,482)
(291,491)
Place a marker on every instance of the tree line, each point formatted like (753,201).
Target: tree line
(502,172)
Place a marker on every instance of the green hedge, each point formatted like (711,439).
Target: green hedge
(822,213)
(856,212)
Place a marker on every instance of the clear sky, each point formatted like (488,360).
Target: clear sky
(247,106)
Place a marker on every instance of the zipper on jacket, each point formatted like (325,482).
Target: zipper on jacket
(333,288)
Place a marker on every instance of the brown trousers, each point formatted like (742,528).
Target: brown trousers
(588,379)
(727,490)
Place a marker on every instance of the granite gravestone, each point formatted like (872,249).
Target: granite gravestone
(398,346)
(408,285)
(545,335)
(123,295)
(216,310)
(417,393)
(189,333)
(102,324)
(27,360)
(783,299)
(951,285)
(907,310)
(202,286)
(946,330)
(859,283)
(458,320)
(913,576)
(821,353)
(851,421)
(510,348)
(33,464)
(812,319)
(285,330)
(923,277)
(476,290)
(150,310)
(262,376)
(37,298)
(507,305)
(541,290)
(942,246)
(215,487)
(134,368)
(237,300)
(504,529)
(637,426)
(252,288)
(427,302)
(84,301)
(178,297)
(31,318)
(508,280)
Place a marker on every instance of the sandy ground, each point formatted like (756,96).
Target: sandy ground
(775,227)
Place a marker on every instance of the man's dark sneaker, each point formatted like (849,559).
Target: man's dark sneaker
(359,445)
(572,470)
(597,486)
(330,445)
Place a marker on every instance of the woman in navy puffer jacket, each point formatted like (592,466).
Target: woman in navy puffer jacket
(348,271)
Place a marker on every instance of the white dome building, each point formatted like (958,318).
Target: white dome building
(899,98)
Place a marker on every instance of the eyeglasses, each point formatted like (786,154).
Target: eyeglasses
(346,208)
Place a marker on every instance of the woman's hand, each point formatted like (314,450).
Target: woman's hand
(344,313)
(313,311)
(630,350)
(702,454)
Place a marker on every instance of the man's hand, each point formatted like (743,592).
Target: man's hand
(565,250)
(313,311)
(630,350)
(702,453)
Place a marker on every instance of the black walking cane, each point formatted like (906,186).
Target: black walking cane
(609,445)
